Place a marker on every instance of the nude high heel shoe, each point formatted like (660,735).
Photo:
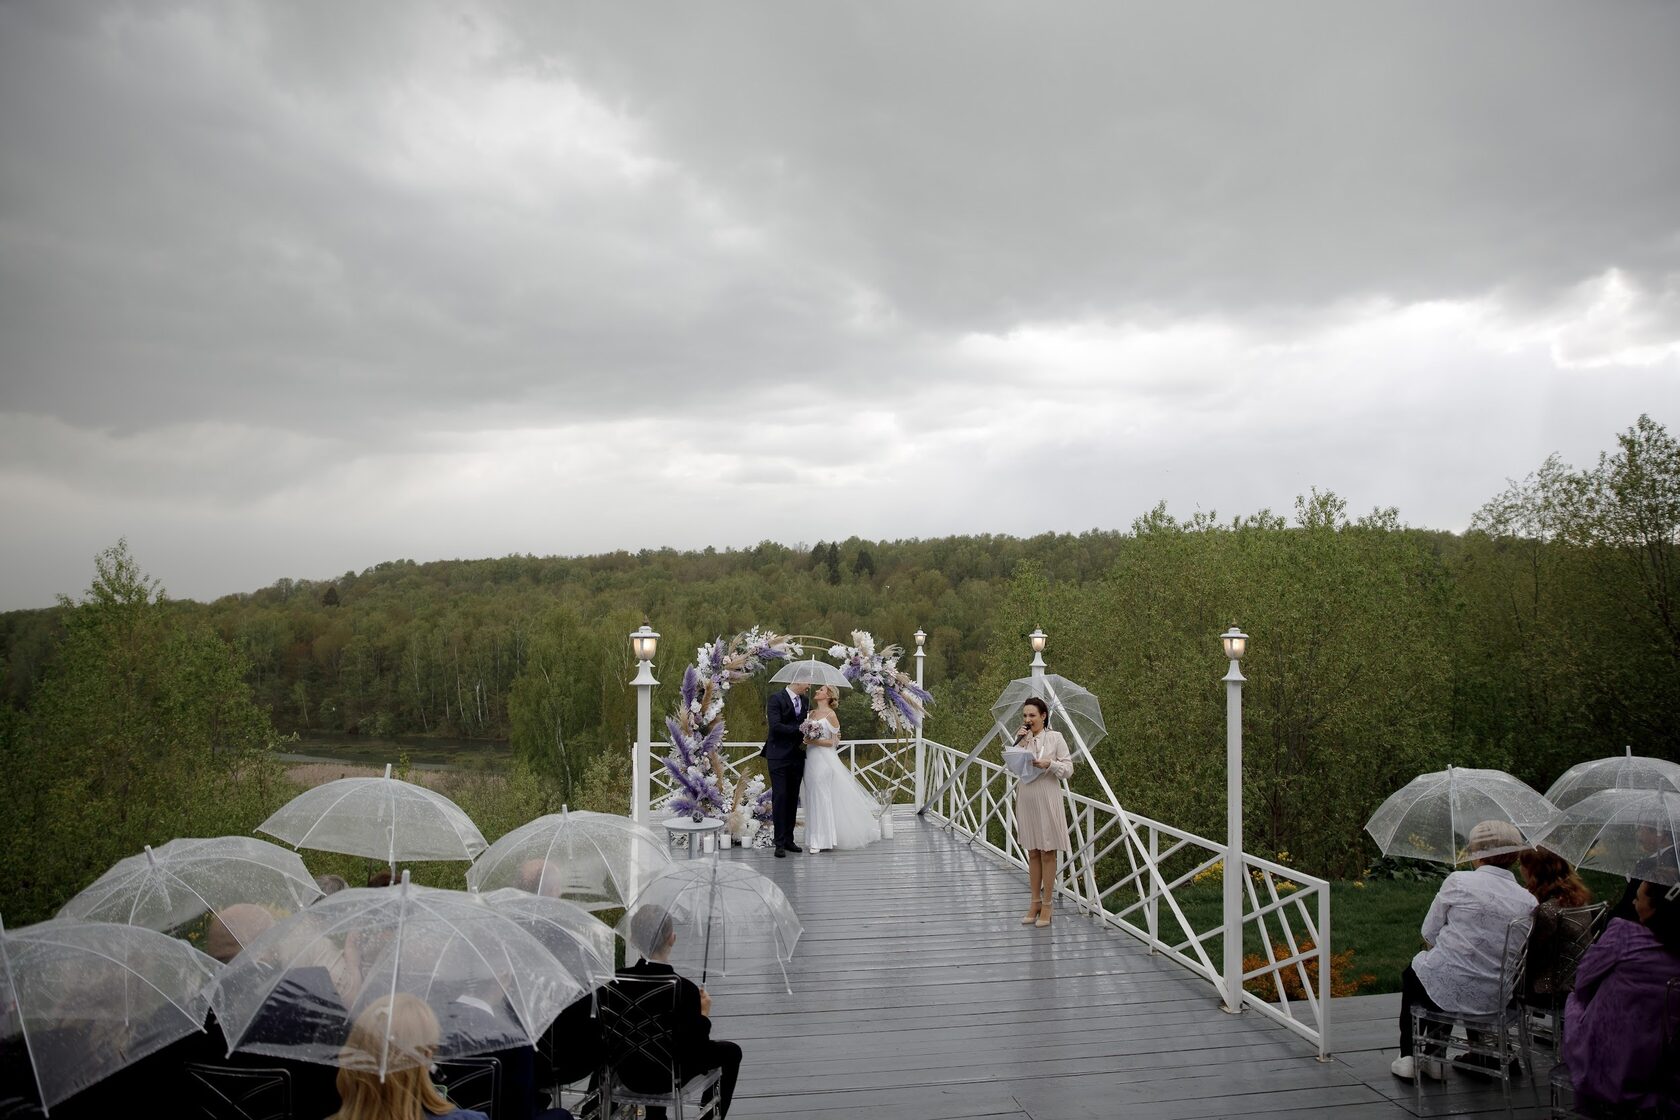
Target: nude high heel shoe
(1032,914)
(1045,909)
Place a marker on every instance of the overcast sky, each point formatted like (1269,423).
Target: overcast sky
(288,289)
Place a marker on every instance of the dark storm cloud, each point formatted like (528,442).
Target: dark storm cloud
(301,275)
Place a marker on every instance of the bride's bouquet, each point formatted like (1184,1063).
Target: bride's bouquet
(815,730)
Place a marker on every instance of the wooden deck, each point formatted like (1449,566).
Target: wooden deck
(917,993)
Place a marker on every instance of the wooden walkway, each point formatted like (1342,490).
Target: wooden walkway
(917,993)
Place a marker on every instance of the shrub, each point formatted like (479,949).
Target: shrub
(1343,981)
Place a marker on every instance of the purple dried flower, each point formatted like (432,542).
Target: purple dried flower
(713,739)
(899,703)
(690,687)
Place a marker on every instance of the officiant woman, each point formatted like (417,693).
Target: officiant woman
(1040,824)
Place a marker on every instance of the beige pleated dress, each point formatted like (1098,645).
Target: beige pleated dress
(1040,823)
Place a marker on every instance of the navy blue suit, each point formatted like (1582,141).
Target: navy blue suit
(784,750)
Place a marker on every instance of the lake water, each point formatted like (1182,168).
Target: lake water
(424,752)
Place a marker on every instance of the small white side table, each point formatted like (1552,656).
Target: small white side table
(694,830)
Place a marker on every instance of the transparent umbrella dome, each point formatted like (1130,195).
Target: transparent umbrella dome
(85,999)
(1625,771)
(354,964)
(597,860)
(166,887)
(812,672)
(1628,832)
(1430,818)
(723,915)
(381,818)
(581,942)
(1069,704)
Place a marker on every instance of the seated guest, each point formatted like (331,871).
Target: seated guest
(330,884)
(472,1015)
(571,1048)
(385,1066)
(313,1093)
(1465,933)
(1613,1022)
(690,1028)
(1556,888)
(539,876)
(1658,847)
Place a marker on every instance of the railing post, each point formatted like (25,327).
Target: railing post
(919,782)
(643,642)
(1152,909)
(1234,864)
(1324,977)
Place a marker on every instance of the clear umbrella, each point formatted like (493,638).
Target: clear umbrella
(581,942)
(723,915)
(85,999)
(1625,771)
(1070,705)
(597,860)
(167,887)
(813,672)
(489,983)
(1432,816)
(1628,832)
(381,818)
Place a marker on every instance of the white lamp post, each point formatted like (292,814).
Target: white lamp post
(644,643)
(920,780)
(1236,645)
(1037,640)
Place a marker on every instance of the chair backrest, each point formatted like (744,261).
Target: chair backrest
(636,1017)
(238,1092)
(1515,957)
(1576,929)
(474,1083)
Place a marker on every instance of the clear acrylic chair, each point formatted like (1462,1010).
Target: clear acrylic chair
(1575,930)
(1486,1037)
(474,1082)
(218,1092)
(643,1067)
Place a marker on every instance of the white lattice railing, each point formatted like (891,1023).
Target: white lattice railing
(1156,882)
(1161,884)
(880,765)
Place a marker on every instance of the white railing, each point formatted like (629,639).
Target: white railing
(1158,883)
(880,765)
(1123,868)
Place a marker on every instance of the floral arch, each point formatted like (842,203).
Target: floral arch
(696,729)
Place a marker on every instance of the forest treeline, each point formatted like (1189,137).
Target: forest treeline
(1547,634)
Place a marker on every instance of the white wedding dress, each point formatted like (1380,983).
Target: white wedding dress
(838,812)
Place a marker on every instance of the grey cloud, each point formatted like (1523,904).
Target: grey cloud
(998,162)
(280,280)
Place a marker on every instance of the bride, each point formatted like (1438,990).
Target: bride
(838,813)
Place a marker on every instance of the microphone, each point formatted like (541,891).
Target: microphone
(1021,736)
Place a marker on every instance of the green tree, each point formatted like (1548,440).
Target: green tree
(142,730)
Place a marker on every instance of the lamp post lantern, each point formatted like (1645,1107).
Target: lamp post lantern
(1235,643)
(644,643)
(1037,639)
(920,780)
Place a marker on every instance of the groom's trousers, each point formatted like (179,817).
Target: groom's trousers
(786,777)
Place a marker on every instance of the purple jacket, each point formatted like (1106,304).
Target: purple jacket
(1613,1022)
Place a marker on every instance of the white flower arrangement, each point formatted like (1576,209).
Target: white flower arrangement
(893,696)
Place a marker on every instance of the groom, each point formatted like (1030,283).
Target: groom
(784,750)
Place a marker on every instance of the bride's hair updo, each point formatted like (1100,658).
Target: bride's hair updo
(1043,709)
